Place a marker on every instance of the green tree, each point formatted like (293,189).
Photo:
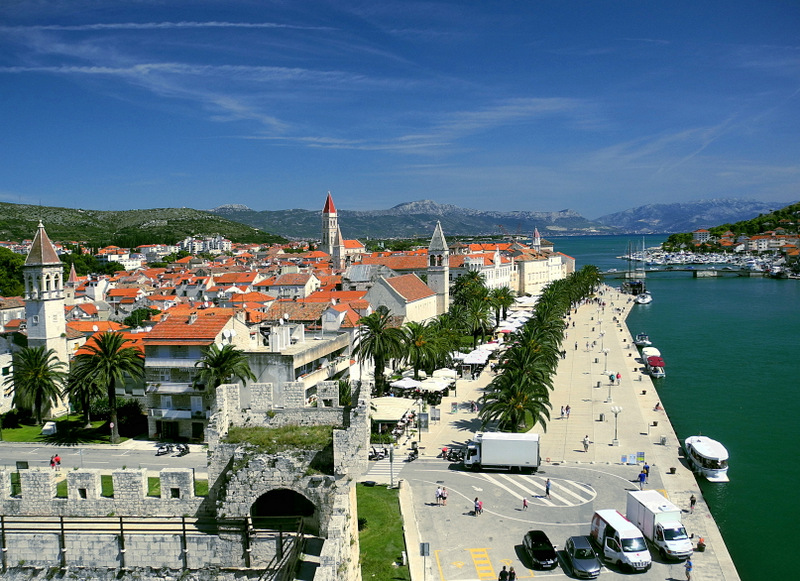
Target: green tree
(106,362)
(139,316)
(478,319)
(37,379)
(11,283)
(513,399)
(501,298)
(422,346)
(218,366)
(378,342)
(83,389)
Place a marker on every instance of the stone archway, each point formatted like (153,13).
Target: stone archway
(280,506)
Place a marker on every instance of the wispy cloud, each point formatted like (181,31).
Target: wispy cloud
(156,26)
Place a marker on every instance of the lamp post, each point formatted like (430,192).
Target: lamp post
(605,361)
(419,421)
(616,410)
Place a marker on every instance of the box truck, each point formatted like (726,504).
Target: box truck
(501,450)
(660,521)
(619,541)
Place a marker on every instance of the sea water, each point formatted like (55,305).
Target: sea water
(731,349)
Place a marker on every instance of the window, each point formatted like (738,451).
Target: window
(6,371)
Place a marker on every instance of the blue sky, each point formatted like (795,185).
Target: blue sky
(525,105)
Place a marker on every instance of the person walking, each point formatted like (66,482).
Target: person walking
(567,410)
(547,488)
(477,506)
(512,575)
(57,460)
(503,575)
(688,565)
(562,412)
(692,502)
(586,443)
(444,496)
(646,470)
(642,479)
(619,377)
(52,462)
(524,503)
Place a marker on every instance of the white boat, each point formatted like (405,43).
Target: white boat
(643,340)
(708,457)
(653,362)
(643,298)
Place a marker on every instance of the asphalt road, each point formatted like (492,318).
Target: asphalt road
(98,457)
(465,547)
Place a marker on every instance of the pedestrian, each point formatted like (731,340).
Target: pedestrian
(53,462)
(562,412)
(503,575)
(547,488)
(477,506)
(512,575)
(444,496)
(619,377)
(57,459)
(480,506)
(438,495)
(587,345)
(689,566)
(642,479)
(646,470)
(576,345)
(586,443)
(524,503)
(692,502)
(567,410)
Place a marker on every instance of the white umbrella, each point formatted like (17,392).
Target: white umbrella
(406,383)
(445,372)
(433,385)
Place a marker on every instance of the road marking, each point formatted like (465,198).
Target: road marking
(482,563)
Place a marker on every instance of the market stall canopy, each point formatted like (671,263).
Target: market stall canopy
(445,372)
(434,384)
(389,409)
(405,383)
(477,357)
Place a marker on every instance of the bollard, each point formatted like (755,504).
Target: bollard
(598,384)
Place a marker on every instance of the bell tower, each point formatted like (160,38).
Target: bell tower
(44,296)
(330,226)
(439,269)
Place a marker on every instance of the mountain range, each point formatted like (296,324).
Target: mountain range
(418,219)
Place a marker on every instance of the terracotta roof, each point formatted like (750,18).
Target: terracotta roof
(297,311)
(398,262)
(410,287)
(86,327)
(133,340)
(353,244)
(12,302)
(42,250)
(292,279)
(196,327)
(328,296)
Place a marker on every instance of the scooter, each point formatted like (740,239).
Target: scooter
(183,449)
(413,455)
(376,454)
(164,449)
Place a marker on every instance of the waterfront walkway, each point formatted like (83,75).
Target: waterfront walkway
(604,345)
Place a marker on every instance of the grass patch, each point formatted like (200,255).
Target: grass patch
(153,486)
(61,489)
(106,485)
(70,430)
(275,440)
(381,537)
(201,487)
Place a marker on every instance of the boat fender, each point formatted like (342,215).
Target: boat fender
(547,460)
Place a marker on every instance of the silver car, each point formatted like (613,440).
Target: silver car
(581,557)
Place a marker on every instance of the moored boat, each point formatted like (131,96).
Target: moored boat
(653,362)
(708,457)
(643,340)
(643,298)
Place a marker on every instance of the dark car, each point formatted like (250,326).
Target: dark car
(540,550)
(581,557)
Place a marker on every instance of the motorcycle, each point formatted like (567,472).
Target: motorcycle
(377,454)
(413,455)
(164,449)
(183,449)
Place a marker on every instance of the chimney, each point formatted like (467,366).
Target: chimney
(192,318)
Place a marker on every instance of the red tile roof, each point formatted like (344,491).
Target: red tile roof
(200,327)
(410,287)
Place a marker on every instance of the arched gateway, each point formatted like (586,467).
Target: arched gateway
(281,508)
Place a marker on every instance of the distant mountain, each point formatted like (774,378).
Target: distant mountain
(416,219)
(686,216)
(124,228)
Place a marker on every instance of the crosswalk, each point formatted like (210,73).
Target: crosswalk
(381,471)
(562,492)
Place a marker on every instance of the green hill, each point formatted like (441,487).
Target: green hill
(124,228)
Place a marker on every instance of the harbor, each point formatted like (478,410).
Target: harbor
(626,425)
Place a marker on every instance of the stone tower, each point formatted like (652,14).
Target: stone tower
(439,269)
(330,226)
(44,300)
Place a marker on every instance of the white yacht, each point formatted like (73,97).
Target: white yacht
(708,457)
(643,298)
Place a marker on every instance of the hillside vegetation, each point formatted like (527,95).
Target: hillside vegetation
(124,228)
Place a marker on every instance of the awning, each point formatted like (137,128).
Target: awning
(445,372)
(389,409)
(405,383)
(478,357)
(655,362)
(434,385)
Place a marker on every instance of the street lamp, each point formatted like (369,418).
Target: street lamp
(616,410)
(419,420)
(605,361)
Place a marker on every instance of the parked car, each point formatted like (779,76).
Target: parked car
(581,557)
(540,550)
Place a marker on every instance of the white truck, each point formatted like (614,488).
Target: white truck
(619,541)
(660,521)
(502,450)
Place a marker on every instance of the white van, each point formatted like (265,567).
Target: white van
(620,541)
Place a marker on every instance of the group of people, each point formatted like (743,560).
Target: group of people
(478,506)
(507,575)
(441,496)
(565,411)
(55,462)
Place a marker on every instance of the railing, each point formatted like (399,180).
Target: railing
(282,565)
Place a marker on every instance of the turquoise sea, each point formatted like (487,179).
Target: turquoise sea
(731,348)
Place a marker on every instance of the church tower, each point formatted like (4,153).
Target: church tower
(339,254)
(330,226)
(44,296)
(439,269)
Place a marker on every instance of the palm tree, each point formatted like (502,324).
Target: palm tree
(106,362)
(512,400)
(501,299)
(477,318)
(379,342)
(218,366)
(470,284)
(422,346)
(84,389)
(37,379)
